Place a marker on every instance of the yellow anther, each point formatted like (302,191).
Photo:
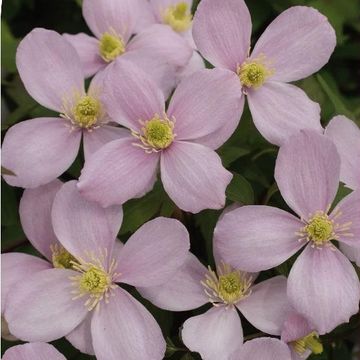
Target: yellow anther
(87,111)
(111,46)
(310,342)
(320,229)
(61,258)
(253,73)
(94,280)
(178,17)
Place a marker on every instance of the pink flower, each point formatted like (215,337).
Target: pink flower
(257,238)
(217,333)
(295,45)
(33,351)
(202,114)
(78,296)
(41,149)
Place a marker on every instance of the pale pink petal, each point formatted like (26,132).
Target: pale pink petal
(130,95)
(352,253)
(109,16)
(95,139)
(263,349)
(222,31)
(324,287)
(42,308)
(215,334)
(307,172)
(295,327)
(15,267)
(140,335)
(195,63)
(297,43)
(195,104)
(154,253)
(81,337)
(194,177)
(146,15)
(119,171)
(161,41)
(35,215)
(267,306)
(160,6)
(346,136)
(256,237)
(33,351)
(87,47)
(38,151)
(281,110)
(81,225)
(183,292)
(53,76)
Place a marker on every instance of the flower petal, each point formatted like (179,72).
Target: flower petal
(267,306)
(281,110)
(38,151)
(55,74)
(110,15)
(307,172)
(146,16)
(83,226)
(195,105)
(119,171)
(295,327)
(195,63)
(87,47)
(352,253)
(159,6)
(194,177)
(346,134)
(256,237)
(215,334)
(35,215)
(183,292)
(42,308)
(222,31)
(324,287)
(141,336)
(33,351)
(154,253)
(297,43)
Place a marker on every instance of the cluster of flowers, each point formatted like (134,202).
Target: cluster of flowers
(141,52)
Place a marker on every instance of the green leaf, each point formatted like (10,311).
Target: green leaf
(240,190)
(230,153)
(9,213)
(8,48)
(341,193)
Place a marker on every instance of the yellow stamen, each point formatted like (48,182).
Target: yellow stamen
(178,17)
(61,258)
(310,342)
(87,111)
(111,46)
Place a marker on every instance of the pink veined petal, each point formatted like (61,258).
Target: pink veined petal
(84,226)
(38,151)
(352,253)
(160,6)
(256,237)
(35,215)
(81,337)
(281,110)
(87,47)
(297,43)
(183,291)
(141,336)
(263,349)
(117,16)
(295,327)
(33,351)
(15,267)
(267,306)
(146,15)
(97,138)
(194,177)
(307,172)
(130,95)
(118,172)
(42,308)
(296,356)
(154,253)
(53,76)
(161,41)
(215,335)
(324,287)
(195,104)
(196,63)
(346,136)
(222,31)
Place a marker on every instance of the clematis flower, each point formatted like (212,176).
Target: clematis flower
(217,333)
(33,351)
(202,114)
(41,149)
(295,45)
(322,284)
(80,298)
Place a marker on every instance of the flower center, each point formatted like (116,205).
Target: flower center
(111,46)
(228,287)
(320,229)
(310,342)
(87,111)
(94,281)
(61,258)
(254,73)
(178,17)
